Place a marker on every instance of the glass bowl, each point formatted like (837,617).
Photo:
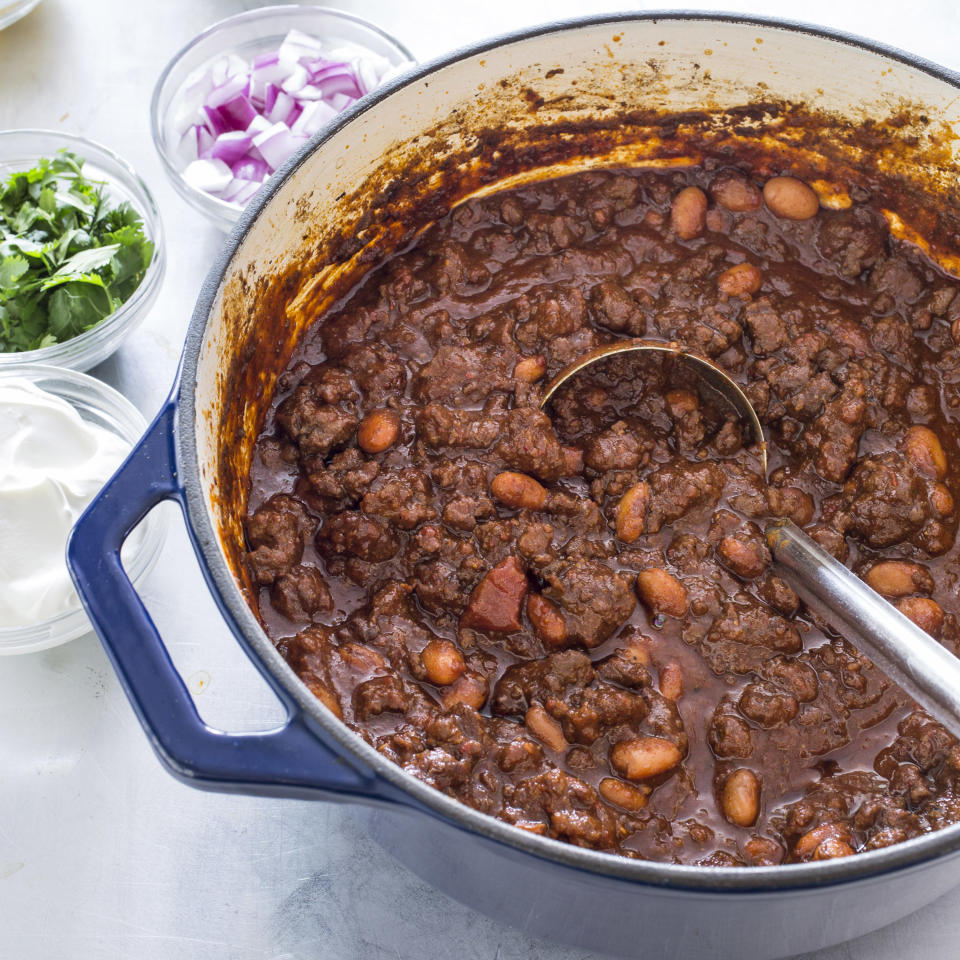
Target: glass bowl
(20,150)
(10,13)
(99,404)
(247,35)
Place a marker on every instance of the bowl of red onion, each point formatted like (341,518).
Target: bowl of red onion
(248,92)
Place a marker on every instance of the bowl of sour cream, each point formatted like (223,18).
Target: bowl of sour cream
(62,435)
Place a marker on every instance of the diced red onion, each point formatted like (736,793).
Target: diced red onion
(277,144)
(237,121)
(231,147)
(340,101)
(283,105)
(312,118)
(258,125)
(188,148)
(251,168)
(298,44)
(296,80)
(238,112)
(210,176)
(215,121)
(204,140)
(230,88)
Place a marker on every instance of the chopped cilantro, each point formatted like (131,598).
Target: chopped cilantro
(67,258)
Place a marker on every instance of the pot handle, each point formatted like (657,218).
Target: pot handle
(289,760)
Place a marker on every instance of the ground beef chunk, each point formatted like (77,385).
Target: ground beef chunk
(678,488)
(557,804)
(616,310)
(621,447)
(344,479)
(402,498)
(768,332)
(529,444)
(886,502)
(352,534)
(276,531)
(439,426)
(467,372)
(854,239)
(592,599)
(321,413)
(301,594)
(744,636)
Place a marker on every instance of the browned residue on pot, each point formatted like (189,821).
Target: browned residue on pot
(905,160)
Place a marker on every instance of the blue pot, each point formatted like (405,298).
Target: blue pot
(594,900)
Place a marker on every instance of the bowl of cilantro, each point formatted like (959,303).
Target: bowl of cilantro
(81,249)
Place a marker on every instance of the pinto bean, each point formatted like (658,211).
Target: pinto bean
(671,680)
(831,848)
(744,558)
(927,614)
(688,213)
(941,499)
(734,191)
(790,198)
(471,690)
(623,794)
(548,623)
(378,431)
(530,369)
(740,797)
(545,728)
(442,661)
(811,841)
(518,491)
(644,757)
(741,280)
(662,593)
(924,450)
(898,578)
(632,512)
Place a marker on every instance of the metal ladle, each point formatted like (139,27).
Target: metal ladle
(928,672)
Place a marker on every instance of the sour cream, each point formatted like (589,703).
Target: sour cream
(52,464)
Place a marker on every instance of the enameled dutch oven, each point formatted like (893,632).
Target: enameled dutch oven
(614,90)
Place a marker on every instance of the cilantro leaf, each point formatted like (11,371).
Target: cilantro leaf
(12,268)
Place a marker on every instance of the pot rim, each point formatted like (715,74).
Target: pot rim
(691,878)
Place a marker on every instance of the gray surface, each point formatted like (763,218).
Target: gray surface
(102,855)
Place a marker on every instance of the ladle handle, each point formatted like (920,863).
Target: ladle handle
(908,655)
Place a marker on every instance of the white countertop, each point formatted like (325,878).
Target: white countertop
(103,856)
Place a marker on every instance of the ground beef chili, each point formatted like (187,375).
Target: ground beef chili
(569,619)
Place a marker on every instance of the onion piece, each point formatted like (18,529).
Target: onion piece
(283,105)
(298,44)
(277,144)
(296,80)
(211,176)
(251,168)
(231,147)
(312,118)
(238,112)
(230,88)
